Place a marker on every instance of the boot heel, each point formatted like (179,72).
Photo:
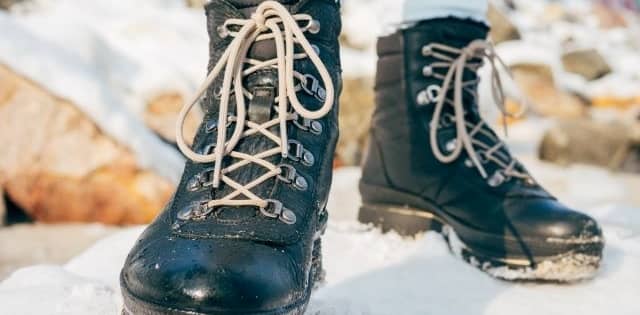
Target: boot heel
(403,220)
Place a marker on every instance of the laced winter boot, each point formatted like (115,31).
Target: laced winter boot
(242,233)
(434,164)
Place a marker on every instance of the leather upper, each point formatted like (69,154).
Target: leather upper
(400,158)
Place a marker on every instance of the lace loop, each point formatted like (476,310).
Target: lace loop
(271,21)
(465,131)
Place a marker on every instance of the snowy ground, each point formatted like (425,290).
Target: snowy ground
(371,273)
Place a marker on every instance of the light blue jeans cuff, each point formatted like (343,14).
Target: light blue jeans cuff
(414,11)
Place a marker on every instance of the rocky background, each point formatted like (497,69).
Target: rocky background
(66,157)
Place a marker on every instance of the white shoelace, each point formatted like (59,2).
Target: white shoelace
(479,152)
(271,21)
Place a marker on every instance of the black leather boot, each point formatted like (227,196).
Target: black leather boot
(434,164)
(242,233)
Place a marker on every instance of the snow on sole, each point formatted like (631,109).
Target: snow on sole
(571,266)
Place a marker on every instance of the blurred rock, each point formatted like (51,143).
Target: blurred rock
(614,145)
(609,17)
(588,63)
(537,83)
(616,102)
(6,4)
(356,107)
(58,166)
(196,3)
(162,112)
(502,29)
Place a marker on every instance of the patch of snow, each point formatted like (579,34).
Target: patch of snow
(52,290)
(568,269)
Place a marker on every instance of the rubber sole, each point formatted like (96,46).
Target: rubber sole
(578,264)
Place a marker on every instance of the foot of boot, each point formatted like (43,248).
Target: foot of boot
(434,164)
(242,233)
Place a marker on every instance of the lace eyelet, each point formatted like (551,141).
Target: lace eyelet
(314,27)
(201,180)
(290,176)
(482,157)
(451,145)
(208,149)
(316,127)
(217,92)
(316,49)
(427,71)
(468,163)
(212,124)
(193,211)
(530,181)
(194,184)
(223,32)
(287,173)
(313,126)
(185,214)
(307,158)
(276,210)
(301,183)
(288,217)
(311,85)
(496,179)
(297,153)
(423,98)
(447,121)
(295,150)
(427,50)
(433,92)
(429,95)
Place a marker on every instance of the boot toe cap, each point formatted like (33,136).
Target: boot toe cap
(212,276)
(553,220)
(549,228)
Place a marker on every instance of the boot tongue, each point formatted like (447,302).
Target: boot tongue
(263,86)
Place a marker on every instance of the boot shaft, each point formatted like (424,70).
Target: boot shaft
(407,65)
(419,139)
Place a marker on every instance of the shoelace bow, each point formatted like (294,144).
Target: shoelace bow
(271,21)
(470,58)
